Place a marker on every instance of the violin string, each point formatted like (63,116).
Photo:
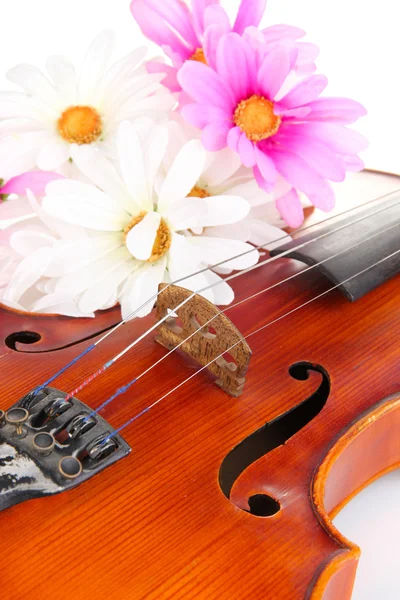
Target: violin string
(130,346)
(126,387)
(153,298)
(291,312)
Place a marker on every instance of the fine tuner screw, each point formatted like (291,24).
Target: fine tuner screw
(17,417)
(44,443)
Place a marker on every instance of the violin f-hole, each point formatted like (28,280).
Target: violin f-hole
(271,435)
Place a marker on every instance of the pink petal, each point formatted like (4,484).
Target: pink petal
(211,40)
(250,13)
(273,72)
(36,181)
(178,17)
(277,33)
(290,209)
(353,163)
(233,138)
(340,110)
(205,86)
(200,115)
(266,166)
(296,171)
(307,55)
(316,154)
(170,81)
(215,136)
(199,9)
(155,28)
(246,151)
(306,91)
(216,15)
(14,209)
(337,137)
(232,65)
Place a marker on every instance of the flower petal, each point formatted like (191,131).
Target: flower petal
(215,135)
(250,14)
(291,209)
(177,15)
(139,295)
(27,274)
(95,297)
(94,66)
(266,166)
(246,151)
(52,155)
(36,181)
(224,210)
(186,213)
(183,175)
(340,110)
(132,165)
(85,205)
(233,253)
(232,65)
(34,83)
(306,91)
(141,238)
(205,86)
(274,70)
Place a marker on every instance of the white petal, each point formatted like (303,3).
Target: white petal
(35,83)
(27,274)
(183,175)
(187,213)
(224,164)
(132,165)
(139,295)
(140,240)
(222,291)
(53,154)
(18,155)
(234,254)
(67,254)
(224,210)
(54,304)
(62,71)
(82,279)
(94,67)
(101,171)
(98,294)
(84,205)
(27,242)
(237,231)
(184,266)
(154,154)
(266,235)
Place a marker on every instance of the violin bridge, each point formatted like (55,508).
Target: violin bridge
(204,333)
(50,443)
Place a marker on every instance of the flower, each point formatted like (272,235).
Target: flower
(193,35)
(25,256)
(16,208)
(140,226)
(223,175)
(297,135)
(42,126)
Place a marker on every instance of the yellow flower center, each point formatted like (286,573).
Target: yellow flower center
(198,56)
(80,125)
(256,118)
(198,192)
(163,238)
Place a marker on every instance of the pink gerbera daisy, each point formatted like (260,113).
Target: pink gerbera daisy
(240,103)
(193,35)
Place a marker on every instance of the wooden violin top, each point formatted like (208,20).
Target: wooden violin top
(157,524)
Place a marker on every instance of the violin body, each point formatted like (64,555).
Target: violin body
(158,524)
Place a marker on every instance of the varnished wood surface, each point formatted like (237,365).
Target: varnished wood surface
(156,525)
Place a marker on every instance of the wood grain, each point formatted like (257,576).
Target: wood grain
(157,525)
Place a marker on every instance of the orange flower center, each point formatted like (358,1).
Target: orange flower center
(163,238)
(198,192)
(198,56)
(80,125)
(256,118)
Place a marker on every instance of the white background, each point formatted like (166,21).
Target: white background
(360,55)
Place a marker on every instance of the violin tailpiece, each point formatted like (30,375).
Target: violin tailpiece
(49,444)
(206,333)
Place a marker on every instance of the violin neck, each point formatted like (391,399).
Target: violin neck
(370,236)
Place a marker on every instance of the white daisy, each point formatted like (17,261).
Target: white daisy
(142,226)
(224,175)
(42,125)
(25,255)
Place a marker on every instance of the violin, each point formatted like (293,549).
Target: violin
(145,479)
